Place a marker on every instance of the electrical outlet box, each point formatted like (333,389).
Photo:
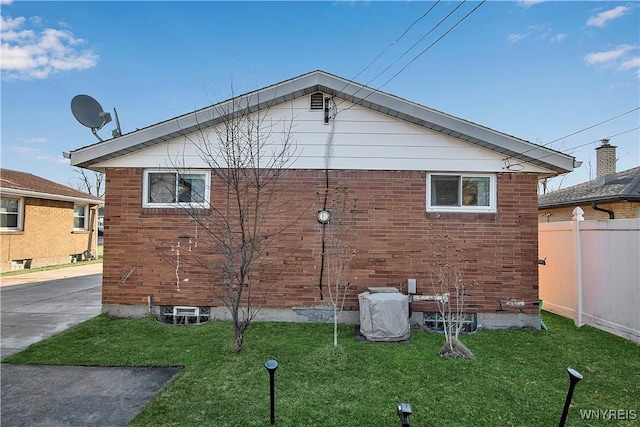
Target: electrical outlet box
(411,286)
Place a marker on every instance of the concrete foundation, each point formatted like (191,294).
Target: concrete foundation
(323,314)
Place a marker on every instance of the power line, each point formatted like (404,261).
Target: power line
(418,55)
(571,134)
(592,126)
(415,44)
(576,147)
(393,43)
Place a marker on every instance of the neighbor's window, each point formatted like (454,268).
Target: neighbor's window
(176,189)
(464,192)
(10,214)
(80,217)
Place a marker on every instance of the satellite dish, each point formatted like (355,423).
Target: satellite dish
(89,113)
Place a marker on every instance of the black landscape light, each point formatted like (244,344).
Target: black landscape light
(404,410)
(271,366)
(574,377)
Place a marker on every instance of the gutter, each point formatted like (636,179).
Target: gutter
(39,195)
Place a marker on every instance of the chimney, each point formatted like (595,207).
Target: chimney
(605,159)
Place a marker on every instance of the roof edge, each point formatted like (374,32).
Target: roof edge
(48,196)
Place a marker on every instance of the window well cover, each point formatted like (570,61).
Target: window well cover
(384,316)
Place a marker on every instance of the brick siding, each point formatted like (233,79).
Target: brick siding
(392,235)
(621,210)
(47,237)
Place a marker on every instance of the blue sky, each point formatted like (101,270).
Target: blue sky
(538,70)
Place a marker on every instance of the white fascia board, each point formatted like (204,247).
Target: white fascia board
(38,195)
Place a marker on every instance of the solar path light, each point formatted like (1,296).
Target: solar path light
(271,366)
(574,377)
(404,410)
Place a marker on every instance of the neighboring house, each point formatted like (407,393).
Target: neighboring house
(44,223)
(417,173)
(612,195)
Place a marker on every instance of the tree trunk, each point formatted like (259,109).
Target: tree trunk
(454,349)
(238,339)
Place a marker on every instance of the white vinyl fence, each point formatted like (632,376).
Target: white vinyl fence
(592,273)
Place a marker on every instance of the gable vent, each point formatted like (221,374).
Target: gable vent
(317,101)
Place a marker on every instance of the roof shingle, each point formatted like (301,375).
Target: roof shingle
(621,186)
(33,186)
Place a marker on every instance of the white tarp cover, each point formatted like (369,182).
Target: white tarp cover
(384,316)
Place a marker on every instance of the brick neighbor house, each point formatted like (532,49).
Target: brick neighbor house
(416,172)
(611,195)
(44,223)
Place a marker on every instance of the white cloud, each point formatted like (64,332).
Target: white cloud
(630,64)
(603,18)
(609,56)
(52,159)
(618,58)
(515,38)
(539,32)
(29,54)
(6,2)
(559,37)
(33,140)
(528,3)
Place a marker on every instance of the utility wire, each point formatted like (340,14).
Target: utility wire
(419,55)
(592,126)
(574,133)
(577,146)
(408,50)
(392,44)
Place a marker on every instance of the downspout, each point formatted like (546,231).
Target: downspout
(327,119)
(595,207)
(92,223)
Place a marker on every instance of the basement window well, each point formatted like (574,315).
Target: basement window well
(434,322)
(183,315)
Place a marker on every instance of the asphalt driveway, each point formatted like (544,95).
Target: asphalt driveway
(36,306)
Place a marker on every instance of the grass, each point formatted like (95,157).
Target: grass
(518,379)
(54,267)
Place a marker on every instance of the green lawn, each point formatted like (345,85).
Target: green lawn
(518,379)
(53,267)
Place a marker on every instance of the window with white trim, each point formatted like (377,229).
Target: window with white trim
(461,193)
(162,188)
(11,212)
(80,217)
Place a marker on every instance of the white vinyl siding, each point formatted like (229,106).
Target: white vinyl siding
(362,140)
(162,188)
(461,193)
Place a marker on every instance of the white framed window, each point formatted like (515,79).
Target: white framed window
(162,188)
(80,217)
(11,213)
(461,192)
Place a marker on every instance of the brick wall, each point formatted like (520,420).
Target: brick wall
(621,210)
(392,229)
(47,236)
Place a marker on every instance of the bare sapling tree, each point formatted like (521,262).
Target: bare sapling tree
(446,270)
(247,153)
(339,252)
(89,181)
